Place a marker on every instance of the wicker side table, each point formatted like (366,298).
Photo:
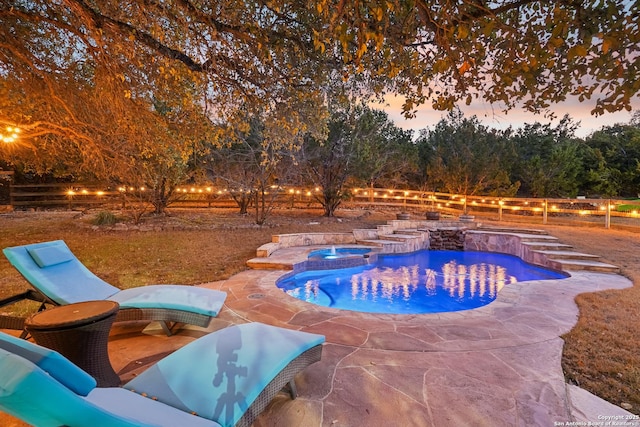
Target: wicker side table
(80,332)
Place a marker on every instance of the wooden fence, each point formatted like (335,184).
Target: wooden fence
(499,208)
(6,177)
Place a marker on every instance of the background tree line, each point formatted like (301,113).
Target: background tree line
(537,160)
(364,148)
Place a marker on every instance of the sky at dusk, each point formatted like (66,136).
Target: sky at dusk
(494,117)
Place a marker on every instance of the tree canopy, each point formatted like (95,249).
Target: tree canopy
(93,84)
(549,159)
(613,161)
(508,52)
(467,158)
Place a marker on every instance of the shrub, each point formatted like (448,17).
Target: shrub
(105,218)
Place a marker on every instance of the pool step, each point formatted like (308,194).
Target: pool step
(581,265)
(523,235)
(546,245)
(567,254)
(402,237)
(537,248)
(411,232)
(512,230)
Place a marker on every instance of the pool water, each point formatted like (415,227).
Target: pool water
(419,282)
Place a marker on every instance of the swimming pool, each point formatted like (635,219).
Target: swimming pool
(420,282)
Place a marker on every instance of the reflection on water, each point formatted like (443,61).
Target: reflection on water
(459,281)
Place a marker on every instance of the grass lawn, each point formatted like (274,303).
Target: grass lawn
(198,246)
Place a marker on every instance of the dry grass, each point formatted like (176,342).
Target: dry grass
(194,247)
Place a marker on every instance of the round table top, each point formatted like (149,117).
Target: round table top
(70,315)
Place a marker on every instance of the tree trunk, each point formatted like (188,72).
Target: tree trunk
(243,201)
(330,202)
(160,198)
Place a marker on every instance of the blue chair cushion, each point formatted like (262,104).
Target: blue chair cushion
(176,297)
(64,282)
(233,366)
(48,256)
(146,411)
(31,394)
(51,362)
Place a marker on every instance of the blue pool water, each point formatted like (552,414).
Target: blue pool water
(420,282)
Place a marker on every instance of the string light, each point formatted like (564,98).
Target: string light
(11,135)
(513,205)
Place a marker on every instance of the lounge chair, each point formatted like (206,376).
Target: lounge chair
(226,378)
(54,271)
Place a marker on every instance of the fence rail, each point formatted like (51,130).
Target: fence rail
(500,207)
(601,211)
(61,195)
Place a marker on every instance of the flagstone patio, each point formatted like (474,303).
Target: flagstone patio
(494,366)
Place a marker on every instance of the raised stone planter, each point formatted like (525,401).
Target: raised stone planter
(403,216)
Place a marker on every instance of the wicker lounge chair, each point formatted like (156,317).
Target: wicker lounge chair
(226,378)
(60,278)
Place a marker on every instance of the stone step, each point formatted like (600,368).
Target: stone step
(580,265)
(524,237)
(512,230)
(365,233)
(268,264)
(551,254)
(267,249)
(538,245)
(411,232)
(385,229)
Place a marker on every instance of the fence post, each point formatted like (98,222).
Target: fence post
(607,215)
(500,209)
(545,203)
